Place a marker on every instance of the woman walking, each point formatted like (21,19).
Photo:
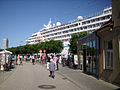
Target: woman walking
(51,68)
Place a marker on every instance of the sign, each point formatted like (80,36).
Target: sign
(40,51)
(75,59)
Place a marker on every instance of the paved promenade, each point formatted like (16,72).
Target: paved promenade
(36,77)
(88,82)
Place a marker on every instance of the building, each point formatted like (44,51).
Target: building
(5,43)
(109,34)
(64,32)
(99,52)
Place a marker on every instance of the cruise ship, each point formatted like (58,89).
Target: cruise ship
(64,32)
(35,38)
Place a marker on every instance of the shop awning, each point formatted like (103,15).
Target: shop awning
(5,52)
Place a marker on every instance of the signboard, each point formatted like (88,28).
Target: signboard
(75,59)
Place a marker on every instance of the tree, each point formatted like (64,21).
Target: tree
(73,41)
(52,46)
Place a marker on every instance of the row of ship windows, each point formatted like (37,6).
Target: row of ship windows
(96,19)
(83,23)
(60,29)
(34,41)
(64,36)
(77,29)
(63,40)
(34,35)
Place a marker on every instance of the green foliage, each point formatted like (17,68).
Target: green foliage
(53,46)
(73,41)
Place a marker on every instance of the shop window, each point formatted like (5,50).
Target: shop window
(109,55)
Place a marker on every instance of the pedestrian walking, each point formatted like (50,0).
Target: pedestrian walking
(15,57)
(43,59)
(55,59)
(25,58)
(30,57)
(21,59)
(63,60)
(18,59)
(48,61)
(33,60)
(51,68)
(57,64)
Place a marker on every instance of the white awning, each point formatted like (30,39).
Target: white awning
(5,52)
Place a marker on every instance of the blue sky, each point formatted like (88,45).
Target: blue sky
(20,18)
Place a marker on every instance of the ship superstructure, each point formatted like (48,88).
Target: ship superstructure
(64,32)
(35,38)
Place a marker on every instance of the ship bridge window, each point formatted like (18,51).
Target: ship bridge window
(93,25)
(60,28)
(68,35)
(88,22)
(81,28)
(83,23)
(97,19)
(55,34)
(59,32)
(76,24)
(97,24)
(71,25)
(93,20)
(85,27)
(102,18)
(101,23)
(67,26)
(75,29)
(71,30)
(90,26)
(65,31)
(107,17)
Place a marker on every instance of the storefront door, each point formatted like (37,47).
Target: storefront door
(90,57)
